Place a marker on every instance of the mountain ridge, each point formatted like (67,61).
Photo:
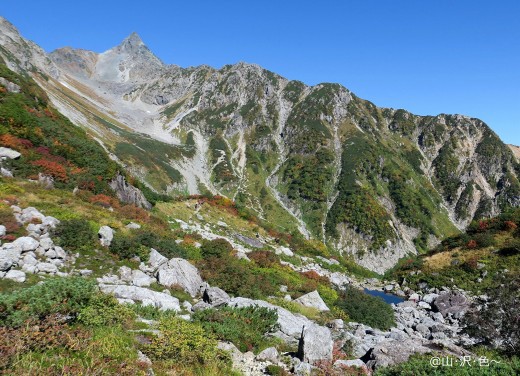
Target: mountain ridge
(378,183)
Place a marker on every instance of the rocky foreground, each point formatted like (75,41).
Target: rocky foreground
(428,320)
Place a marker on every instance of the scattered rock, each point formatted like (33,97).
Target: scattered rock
(270,354)
(179,272)
(143,295)
(314,300)
(141,279)
(156,259)
(315,344)
(356,363)
(9,153)
(215,297)
(15,275)
(291,327)
(200,306)
(249,241)
(9,255)
(46,267)
(133,226)
(128,193)
(453,303)
(105,234)
(430,298)
(26,243)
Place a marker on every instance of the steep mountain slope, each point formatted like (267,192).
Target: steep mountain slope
(375,182)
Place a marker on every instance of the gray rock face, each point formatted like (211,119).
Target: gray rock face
(3,230)
(128,193)
(453,303)
(314,300)
(179,272)
(215,296)
(105,234)
(158,299)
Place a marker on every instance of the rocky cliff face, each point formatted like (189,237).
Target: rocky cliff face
(375,182)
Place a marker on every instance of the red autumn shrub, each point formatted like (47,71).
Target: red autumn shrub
(52,168)
(471,244)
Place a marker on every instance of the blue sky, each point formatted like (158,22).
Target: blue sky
(429,57)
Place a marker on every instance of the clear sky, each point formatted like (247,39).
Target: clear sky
(429,57)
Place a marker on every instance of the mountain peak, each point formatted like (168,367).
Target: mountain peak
(131,43)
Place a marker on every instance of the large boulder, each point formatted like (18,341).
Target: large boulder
(315,344)
(8,153)
(179,272)
(156,259)
(105,234)
(128,193)
(9,255)
(451,303)
(26,243)
(3,230)
(390,352)
(215,297)
(141,279)
(270,354)
(313,300)
(15,275)
(159,299)
(46,267)
(29,214)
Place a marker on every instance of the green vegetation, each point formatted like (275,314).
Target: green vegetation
(185,343)
(474,260)
(49,142)
(138,243)
(245,327)
(308,177)
(74,234)
(55,296)
(367,309)
(419,365)
(447,177)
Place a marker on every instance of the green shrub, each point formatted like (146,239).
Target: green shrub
(245,327)
(419,365)
(184,342)
(366,309)
(215,248)
(275,370)
(151,312)
(66,296)
(74,234)
(105,310)
(139,244)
